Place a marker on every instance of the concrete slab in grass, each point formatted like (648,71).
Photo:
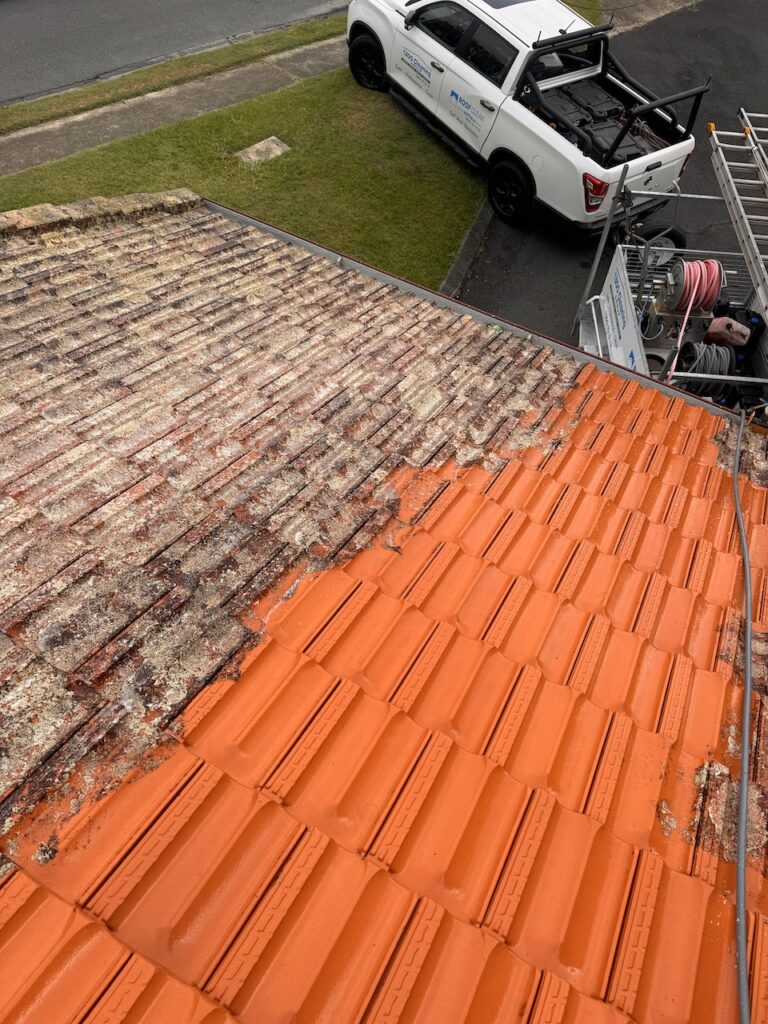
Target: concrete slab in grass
(267,149)
(42,143)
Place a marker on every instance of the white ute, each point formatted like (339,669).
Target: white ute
(530,90)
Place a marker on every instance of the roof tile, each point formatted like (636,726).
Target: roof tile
(478,759)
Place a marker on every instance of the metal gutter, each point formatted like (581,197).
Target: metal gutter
(577,354)
(742,944)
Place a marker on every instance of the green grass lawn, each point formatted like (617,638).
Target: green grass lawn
(363,176)
(170,72)
(592,10)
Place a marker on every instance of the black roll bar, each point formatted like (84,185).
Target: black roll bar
(570,37)
(644,108)
(616,64)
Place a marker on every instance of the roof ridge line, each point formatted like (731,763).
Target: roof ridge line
(87,212)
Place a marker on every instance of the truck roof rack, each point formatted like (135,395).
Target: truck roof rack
(565,38)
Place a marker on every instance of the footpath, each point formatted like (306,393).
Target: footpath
(43,143)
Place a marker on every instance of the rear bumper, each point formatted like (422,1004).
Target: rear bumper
(645,206)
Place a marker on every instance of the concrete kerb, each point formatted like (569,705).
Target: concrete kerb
(469,248)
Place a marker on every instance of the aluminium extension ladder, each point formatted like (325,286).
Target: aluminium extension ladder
(740,160)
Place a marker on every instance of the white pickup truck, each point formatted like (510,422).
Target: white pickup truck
(530,90)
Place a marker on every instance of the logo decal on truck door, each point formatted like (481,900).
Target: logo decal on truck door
(416,69)
(466,113)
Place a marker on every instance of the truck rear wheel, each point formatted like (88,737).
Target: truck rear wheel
(367,64)
(510,192)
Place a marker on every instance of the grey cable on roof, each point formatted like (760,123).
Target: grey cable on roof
(742,963)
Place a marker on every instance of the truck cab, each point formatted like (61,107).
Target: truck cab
(530,90)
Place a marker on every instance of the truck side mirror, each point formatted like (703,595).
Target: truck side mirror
(410,18)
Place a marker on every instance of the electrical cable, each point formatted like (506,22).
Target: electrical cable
(640,312)
(702,282)
(742,963)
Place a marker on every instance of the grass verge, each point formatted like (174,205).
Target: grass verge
(363,176)
(592,10)
(170,72)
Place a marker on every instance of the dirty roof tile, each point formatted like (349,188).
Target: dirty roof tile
(51,618)
(39,708)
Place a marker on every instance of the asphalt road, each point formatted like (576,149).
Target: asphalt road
(536,277)
(47,45)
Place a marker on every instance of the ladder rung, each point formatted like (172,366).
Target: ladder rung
(740,161)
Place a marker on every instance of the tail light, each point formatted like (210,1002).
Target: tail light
(595,192)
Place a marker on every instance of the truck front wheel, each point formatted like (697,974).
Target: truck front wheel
(366,62)
(510,192)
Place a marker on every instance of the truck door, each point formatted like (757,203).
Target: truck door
(472,93)
(423,50)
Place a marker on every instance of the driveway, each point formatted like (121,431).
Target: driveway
(536,277)
(48,45)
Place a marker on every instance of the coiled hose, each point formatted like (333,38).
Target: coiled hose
(699,357)
(701,284)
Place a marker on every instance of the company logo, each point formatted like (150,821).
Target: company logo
(619,301)
(417,65)
(469,108)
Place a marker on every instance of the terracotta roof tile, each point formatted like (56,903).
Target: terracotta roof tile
(72,969)
(472,613)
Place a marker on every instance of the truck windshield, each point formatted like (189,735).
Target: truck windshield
(579,57)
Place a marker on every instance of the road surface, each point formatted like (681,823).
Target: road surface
(47,45)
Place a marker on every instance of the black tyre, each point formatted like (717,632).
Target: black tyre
(655,365)
(511,192)
(367,64)
(672,237)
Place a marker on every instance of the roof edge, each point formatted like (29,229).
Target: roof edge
(570,351)
(87,212)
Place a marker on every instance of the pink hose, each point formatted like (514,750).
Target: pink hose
(702,284)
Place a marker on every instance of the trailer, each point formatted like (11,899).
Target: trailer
(693,319)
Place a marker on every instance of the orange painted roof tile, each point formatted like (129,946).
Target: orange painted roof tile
(472,614)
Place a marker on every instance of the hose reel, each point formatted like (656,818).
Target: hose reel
(693,284)
(700,357)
